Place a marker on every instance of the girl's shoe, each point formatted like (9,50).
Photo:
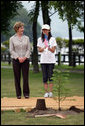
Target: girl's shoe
(46,95)
(50,94)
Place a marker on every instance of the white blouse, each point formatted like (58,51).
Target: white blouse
(47,56)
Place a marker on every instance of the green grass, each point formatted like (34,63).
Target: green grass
(77,67)
(76,84)
(5,64)
(8,87)
(63,66)
(12,118)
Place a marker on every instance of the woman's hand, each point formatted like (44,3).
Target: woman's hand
(22,59)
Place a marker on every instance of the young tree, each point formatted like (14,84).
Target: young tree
(60,80)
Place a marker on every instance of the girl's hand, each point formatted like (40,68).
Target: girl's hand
(41,49)
(52,49)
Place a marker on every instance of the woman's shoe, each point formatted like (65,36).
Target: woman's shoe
(26,96)
(18,97)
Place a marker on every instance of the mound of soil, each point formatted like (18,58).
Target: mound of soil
(72,110)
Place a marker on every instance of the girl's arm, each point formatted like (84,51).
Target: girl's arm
(52,49)
(41,49)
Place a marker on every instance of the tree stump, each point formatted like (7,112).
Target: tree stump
(40,105)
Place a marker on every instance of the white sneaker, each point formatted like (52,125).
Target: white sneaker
(46,95)
(50,94)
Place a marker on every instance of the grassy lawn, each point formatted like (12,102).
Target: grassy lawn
(8,87)
(63,66)
(12,118)
(76,84)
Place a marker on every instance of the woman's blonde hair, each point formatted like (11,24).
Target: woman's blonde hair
(17,25)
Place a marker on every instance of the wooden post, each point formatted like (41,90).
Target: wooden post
(74,59)
(79,59)
(9,59)
(59,58)
(63,58)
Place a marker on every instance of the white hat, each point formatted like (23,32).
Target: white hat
(46,26)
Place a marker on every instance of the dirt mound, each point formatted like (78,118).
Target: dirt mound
(52,112)
(73,108)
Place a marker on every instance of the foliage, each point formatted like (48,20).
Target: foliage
(23,17)
(72,11)
(3,49)
(75,42)
(77,46)
(60,79)
(31,13)
(6,43)
(8,11)
(59,41)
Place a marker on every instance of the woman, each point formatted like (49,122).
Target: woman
(20,53)
(47,46)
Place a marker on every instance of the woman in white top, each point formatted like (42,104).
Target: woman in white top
(47,46)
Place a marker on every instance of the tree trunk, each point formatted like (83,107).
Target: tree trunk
(35,52)
(40,105)
(45,13)
(70,47)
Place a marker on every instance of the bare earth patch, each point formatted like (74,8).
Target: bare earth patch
(52,112)
(29,105)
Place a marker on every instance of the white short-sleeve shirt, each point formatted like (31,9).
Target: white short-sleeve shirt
(47,56)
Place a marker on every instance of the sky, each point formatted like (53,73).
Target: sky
(58,27)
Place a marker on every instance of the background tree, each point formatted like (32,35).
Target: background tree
(33,14)
(45,12)
(8,11)
(35,52)
(21,16)
(60,43)
(73,12)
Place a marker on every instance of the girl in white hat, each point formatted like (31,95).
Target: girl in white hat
(47,46)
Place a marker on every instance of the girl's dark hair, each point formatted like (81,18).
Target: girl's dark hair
(49,36)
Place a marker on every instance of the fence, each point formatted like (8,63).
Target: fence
(60,58)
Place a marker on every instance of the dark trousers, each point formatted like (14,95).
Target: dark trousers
(17,68)
(47,71)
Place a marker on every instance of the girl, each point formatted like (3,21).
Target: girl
(47,46)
